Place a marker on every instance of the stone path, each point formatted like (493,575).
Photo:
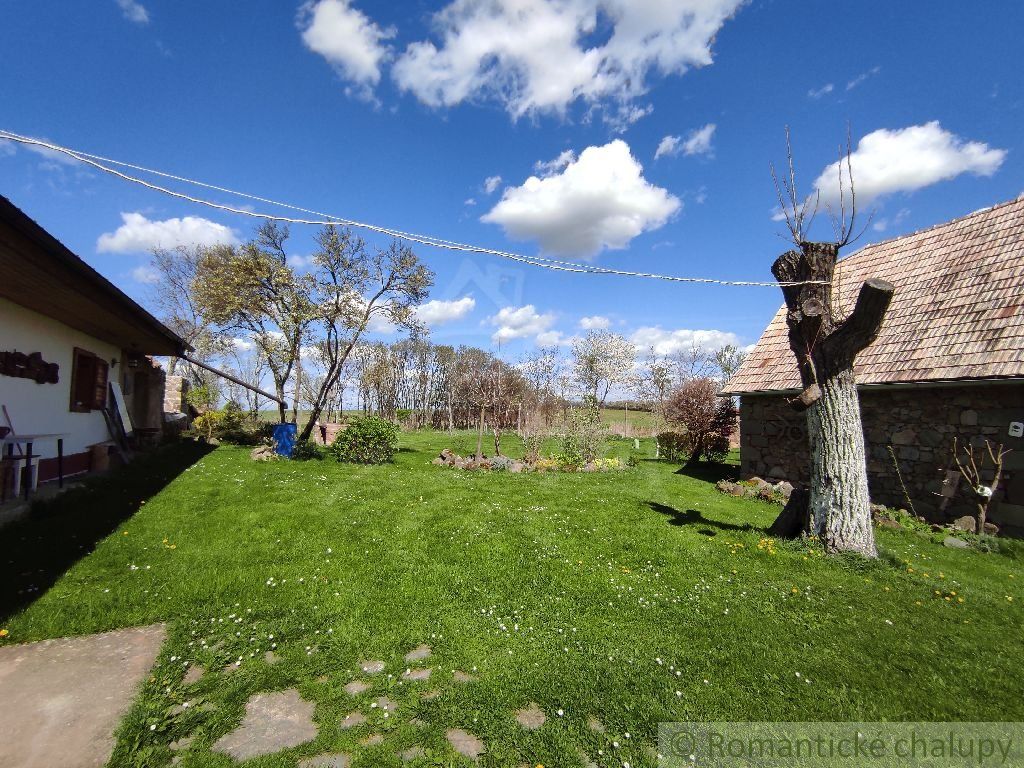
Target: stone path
(335,760)
(531,718)
(63,699)
(273,721)
(465,743)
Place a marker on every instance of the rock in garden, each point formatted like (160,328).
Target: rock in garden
(955,543)
(965,523)
(991,528)
(785,488)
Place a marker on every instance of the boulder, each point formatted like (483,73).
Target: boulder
(785,488)
(991,528)
(954,543)
(516,467)
(262,453)
(965,523)
(759,484)
(727,486)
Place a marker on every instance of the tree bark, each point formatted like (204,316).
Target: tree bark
(839,510)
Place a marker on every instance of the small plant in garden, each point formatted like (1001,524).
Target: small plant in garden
(585,435)
(707,420)
(672,446)
(369,440)
(305,450)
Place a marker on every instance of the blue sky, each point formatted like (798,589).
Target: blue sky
(399,113)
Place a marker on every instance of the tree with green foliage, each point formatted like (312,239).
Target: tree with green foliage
(252,288)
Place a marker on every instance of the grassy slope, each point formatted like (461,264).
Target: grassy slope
(560,589)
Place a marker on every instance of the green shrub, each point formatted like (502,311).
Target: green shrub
(304,450)
(672,446)
(585,435)
(369,440)
(634,459)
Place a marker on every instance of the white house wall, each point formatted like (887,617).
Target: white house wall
(45,408)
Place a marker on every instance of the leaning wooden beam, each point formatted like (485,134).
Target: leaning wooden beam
(233,379)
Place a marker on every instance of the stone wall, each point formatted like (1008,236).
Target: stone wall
(920,425)
(175,389)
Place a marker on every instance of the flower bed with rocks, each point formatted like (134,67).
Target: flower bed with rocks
(448,458)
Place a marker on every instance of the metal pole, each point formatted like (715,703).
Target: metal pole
(234,379)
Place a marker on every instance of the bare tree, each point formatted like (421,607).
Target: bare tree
(825,347)
(972,468)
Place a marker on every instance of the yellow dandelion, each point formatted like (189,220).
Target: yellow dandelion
(1009,598)
(886,589)
(795,590)
(959,599)
(917,602)
(4,633)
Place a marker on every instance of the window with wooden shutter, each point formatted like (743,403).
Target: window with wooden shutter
(88,381)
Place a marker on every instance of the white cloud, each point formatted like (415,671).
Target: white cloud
(138,234)
(817,93)
(668,342)
(550,339)
(550,167)
(133,11)
(594,323)
(881,225)
(908,159)
(627,114)
(491,183)
(519,323)
(540,55)
(697,142)
(668,146)
(600,200)
(348,39)
(470,201)
(242,345)
(6,148)
(436,312)
(145,275)
(862,77)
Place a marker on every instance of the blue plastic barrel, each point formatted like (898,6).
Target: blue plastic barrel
(284,439)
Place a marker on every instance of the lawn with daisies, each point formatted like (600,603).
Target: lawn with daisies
(613,601)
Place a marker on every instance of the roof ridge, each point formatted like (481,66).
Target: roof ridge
(951,222)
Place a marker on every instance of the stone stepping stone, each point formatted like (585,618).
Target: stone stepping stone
(372,667)
(272,722)
(183,743)
(430,695)
(335,760)
(585,759)
(193,674)
(356,687)
(463,677)
(373,740)
(418,653)
(466,744)
(351,720)
(412,753)
(417,674)
(271,658)
(63,699)
(531,718)
(386,704)
(595,725)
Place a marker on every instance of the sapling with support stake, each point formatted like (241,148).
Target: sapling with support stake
(836,505)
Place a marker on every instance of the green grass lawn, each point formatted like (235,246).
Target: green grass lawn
(632,597)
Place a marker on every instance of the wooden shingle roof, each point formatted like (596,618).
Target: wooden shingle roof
(958,311)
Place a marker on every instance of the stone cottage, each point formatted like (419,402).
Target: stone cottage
(949,362)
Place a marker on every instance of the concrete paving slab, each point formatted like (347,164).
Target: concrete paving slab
(272,722)
(63,699)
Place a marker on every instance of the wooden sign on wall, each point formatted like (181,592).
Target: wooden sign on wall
(31,366)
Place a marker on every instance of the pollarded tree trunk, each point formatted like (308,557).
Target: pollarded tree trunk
(838,503)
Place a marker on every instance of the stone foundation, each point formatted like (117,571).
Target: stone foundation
(920,425)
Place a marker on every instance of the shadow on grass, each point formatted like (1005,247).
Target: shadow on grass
(695,517)
(38,549)
(710,473)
